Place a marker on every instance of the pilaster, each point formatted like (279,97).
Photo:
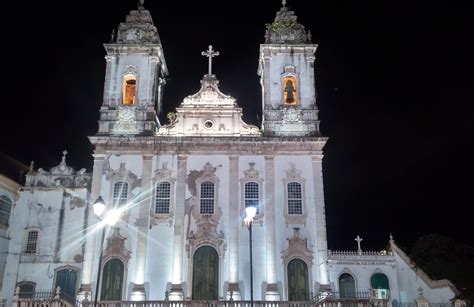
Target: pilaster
(138,291)
(177,291)
(321,235)
(234,223)
(90,238)
(271,291)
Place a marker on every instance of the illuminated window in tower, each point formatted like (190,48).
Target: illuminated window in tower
(163,197)
(289,90)
(207,198)
(120,193)
(252,195)
(295,201)
(129,89)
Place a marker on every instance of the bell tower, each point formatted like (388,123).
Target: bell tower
(134,77)
(286,68)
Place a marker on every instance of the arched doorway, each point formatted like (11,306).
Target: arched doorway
(112,280)
(347,286)
(205,274)
(66,279)
(298,284)
(379,283)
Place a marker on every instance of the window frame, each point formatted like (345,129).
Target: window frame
(4,214)
(169,198)
(213,198)
(294,175)
(117,201)
(25,249)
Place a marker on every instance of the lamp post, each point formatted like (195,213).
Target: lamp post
(111,217)
(250,213)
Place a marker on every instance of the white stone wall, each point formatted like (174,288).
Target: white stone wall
(160,254)
(40,209)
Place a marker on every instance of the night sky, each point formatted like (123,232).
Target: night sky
(394,84)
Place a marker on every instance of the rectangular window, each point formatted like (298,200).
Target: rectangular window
(252,195)
(295,202)
(31,242)
(162,200)
(207,198)
(5,209)
(120,193)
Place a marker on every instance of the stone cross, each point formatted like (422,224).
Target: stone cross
(210,54)
(358,239)
(64,156)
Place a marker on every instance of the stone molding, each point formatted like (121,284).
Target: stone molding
(297,249)
(294,175)
(163,174)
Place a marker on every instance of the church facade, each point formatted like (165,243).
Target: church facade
(179,194)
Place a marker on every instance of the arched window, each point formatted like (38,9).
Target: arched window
(294,195)
(347,286)
(120,193)
(129,89)
(252,195)
(31,244)
(112,281)
(163,197)
(379,282)
(27,289)
(66,279)
(290,96)
(5,209)
(207,198)
(205,274)
(298,284)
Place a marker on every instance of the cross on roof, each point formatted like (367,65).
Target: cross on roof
(210,54)
(358,239)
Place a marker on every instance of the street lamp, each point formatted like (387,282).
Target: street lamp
(111,218)
(250,213)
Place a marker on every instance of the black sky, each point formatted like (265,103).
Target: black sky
(394,84)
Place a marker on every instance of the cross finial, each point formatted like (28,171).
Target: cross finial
(64,156)
(210,53)
(358,239)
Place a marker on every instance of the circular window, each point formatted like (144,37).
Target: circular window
(208,124)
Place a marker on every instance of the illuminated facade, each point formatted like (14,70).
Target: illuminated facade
(182,189)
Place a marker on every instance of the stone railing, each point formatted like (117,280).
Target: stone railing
(42,299)
(355,253)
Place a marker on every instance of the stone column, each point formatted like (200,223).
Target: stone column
(233,290)
(138,291)
(152,79)
(271,292)
(88,265)
(321,235)
(177,292)
(108,80)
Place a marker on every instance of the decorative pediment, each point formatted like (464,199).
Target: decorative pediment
(61,175)
(116,246)
(251,174)
(293,173)
(206,234)
(122,173)
(164,172)
(126,120)
(297,248)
